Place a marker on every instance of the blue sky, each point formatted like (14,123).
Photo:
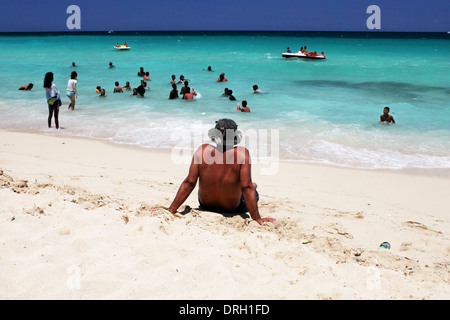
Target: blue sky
(176,15)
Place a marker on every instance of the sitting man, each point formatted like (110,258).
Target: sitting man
(224,175)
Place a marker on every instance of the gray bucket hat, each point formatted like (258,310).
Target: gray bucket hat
(225,132)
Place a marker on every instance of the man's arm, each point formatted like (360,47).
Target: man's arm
(249,191)
(187,185)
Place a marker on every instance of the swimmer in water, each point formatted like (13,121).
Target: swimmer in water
(117,88)
(222,78)
(174,93)
(386,117)
(183,89)
(244,107)
(127,86)
(141,72)
(188,95)
(141,89)
(182,79)
(230,95)
(256,89)
(26,87)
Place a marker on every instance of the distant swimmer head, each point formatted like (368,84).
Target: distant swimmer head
(225,133)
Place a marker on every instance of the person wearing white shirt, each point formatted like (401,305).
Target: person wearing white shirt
(72,89)
(53,99)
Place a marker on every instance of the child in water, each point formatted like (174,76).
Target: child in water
(386,117)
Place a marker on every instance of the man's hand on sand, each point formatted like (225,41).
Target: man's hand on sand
(262,220)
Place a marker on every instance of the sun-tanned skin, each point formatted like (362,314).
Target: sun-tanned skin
(223,177)
(386,117)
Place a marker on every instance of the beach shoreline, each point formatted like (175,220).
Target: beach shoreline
(77,223)
(416,171)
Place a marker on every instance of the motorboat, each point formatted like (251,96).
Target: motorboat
(303,55)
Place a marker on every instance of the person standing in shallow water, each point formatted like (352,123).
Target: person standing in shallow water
(222,78)
(244,107)
(174,93)
(53,99)
(386,117)
(72,89)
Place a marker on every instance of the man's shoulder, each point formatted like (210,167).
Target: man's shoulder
(202,147)
(241,149)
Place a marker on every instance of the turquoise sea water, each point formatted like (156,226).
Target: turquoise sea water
(315,111)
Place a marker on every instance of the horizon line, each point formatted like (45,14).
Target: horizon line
(112,32)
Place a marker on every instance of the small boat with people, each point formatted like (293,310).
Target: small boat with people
(303,54)
(125,46)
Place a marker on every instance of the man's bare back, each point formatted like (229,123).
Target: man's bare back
(220,184)
(224,179)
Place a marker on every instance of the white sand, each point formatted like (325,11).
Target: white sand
(75,224)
